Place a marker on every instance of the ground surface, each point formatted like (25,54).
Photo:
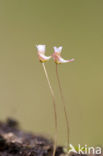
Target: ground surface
(15,142)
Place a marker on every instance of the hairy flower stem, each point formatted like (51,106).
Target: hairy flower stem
(63,102)
(54,106)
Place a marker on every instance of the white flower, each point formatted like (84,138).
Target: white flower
(57,56)
(41,53)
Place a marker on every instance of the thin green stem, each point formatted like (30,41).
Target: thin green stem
(63,102)
(54,106)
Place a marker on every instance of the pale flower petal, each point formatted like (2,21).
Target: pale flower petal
(58,49)
(43,58)
(41,48)
(61,60)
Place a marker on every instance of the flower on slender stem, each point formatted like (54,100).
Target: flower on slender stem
(57,56)
(43,58)
(58,60)
(41,53)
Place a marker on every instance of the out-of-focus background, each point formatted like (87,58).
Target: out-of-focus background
(24,93)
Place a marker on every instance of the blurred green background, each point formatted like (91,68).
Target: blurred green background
(76,25)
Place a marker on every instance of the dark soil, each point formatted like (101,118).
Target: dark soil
(15,142)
